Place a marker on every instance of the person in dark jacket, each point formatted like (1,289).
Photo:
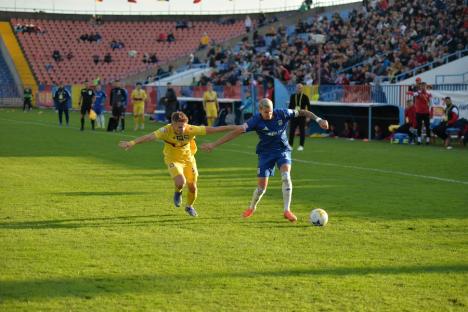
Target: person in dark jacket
(61,99)
(118,100)
(171,102)
(297,102)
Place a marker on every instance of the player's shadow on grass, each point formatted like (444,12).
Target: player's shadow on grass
(176,219)
(100,193)
(90,286)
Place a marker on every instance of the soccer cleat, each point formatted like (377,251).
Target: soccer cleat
(248,213)
(300,148)
(191,211)
(177,198)
(290,216)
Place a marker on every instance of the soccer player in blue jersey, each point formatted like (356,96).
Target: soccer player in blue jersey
(272,149)
(98,106)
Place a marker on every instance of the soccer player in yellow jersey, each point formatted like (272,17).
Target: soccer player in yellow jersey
(138,100)
(179,154)
(210,104)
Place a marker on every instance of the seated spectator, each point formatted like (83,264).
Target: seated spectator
(356,132)
(162,37)
(57,56)
(181,25)
(347,131)
(153,58)
(70,55)
(204,41)
(145,58)
(96,59)
(132,53)
(170,37)
(107,58)
(378,133)
(450,121)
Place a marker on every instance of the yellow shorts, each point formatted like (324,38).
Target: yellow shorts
(211,110)
(188,169)
(139,109)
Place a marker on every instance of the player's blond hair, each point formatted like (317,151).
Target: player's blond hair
(265,103)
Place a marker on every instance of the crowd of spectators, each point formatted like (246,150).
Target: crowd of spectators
(380,40)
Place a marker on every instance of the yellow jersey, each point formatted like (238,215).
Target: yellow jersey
(138,96)
(210,97)
(179,147)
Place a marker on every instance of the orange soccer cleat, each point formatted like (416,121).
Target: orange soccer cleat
(248,213)
(290,216)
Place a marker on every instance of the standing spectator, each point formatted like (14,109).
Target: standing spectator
(98,106)
(248,24)
(118,100)
(85,102)
(27,99)
(210,104)
(450,118)
(170,101)
(61,100)
(298,101)
(422,98)
(139,98)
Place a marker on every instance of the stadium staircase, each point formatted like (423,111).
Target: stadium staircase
(22,67)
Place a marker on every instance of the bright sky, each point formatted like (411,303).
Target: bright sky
(158,7)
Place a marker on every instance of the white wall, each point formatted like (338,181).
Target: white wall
(459,66)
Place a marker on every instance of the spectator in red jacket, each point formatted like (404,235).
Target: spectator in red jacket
(450,118)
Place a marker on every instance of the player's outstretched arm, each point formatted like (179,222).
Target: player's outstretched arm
(210,130)
(126,145)
(238,130)
(322,122)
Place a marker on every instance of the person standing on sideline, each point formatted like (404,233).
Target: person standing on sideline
(297,102)
(118,101)
(85,102)
(27,99)
(421,105)
(272,149)
(170,102)
(179,154)
(210,104)
(139,98)
(61,99)
(98,106)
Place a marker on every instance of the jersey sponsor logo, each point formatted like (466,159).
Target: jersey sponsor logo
(171,165)
(280,122)
(182,137)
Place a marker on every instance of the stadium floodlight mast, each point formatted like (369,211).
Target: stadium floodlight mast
(319,40)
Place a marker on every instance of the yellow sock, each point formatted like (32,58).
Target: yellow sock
(135,120)
(191,197)
(210,122)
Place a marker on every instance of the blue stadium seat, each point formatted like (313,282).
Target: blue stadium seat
(8,87)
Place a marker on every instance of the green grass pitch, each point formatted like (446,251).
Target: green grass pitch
(85,226)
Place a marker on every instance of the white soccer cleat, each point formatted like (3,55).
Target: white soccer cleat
(300,148)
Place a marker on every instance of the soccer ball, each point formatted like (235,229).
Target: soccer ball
(318,217)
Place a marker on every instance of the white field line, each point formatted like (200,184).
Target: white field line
(312,162)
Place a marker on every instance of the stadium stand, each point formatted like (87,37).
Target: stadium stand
(140,37)
(377,43)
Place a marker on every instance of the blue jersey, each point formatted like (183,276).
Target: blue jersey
(99,101)
(272,133)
